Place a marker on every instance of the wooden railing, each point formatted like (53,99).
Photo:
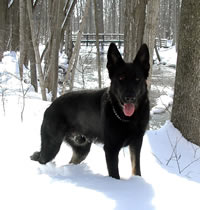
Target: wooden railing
(105,39)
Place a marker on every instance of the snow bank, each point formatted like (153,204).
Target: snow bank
(169,164)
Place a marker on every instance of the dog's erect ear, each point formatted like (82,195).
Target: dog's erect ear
(142,57)
(114,58)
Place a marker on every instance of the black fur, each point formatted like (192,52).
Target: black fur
(82,117)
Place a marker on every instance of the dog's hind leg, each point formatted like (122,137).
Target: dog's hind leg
(81,148)
(51,140)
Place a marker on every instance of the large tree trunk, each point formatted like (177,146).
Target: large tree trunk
(134,27)
(186,107)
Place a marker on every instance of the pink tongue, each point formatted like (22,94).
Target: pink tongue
(128,109)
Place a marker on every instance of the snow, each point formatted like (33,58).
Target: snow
(163,102)
(168,58)
(10,2)
(170,164)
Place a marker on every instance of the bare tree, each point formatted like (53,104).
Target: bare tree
(22,27)
(55,46)
(59,18)
(186,106)
(74,58)
(97,43)
(36,50)
(3,10)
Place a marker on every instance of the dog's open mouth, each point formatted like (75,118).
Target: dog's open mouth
(128,109)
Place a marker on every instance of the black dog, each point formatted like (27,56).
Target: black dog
(115,116)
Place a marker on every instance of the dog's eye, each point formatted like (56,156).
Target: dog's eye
(122,77)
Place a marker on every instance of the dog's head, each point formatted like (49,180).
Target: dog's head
(128,80)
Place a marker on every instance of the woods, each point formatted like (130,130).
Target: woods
(42,30)
(51,24)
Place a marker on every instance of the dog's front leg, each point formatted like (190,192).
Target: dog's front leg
(112,161)
(135,149)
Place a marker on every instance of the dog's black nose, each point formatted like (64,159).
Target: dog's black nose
(130,99)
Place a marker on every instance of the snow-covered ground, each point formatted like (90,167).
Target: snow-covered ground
(170,164)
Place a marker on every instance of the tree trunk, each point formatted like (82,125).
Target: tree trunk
(134,27)
(36,50)
(100,16)
(68,18)
(74,58)
(113,19)
(59,15)
(14,26)
(186,106)
(3,10)
(121,16)
(22,29)
(89,27)
(177,21)
(97,43)
(68,39)
(150,28)
(31,55)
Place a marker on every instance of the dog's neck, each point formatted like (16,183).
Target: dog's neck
(113,108)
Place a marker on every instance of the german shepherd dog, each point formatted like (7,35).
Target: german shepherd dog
(116,116)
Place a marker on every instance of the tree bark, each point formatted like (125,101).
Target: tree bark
(178,7)
(134,27)
(68,39)
(150,28)
(113,15)
(186,106)
(100,16)
(121,16)
(14,26)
